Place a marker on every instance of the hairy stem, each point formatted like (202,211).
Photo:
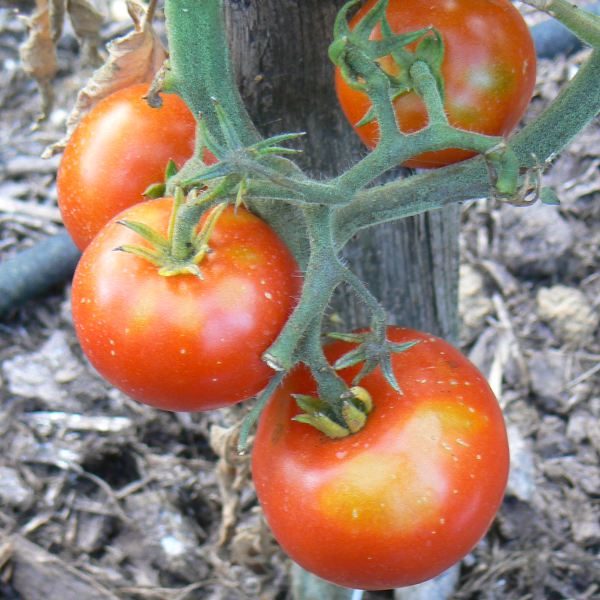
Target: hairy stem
(201,69)
(323,274)
(330,385)
(540,141)
(585,25)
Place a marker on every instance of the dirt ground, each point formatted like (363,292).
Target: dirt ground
(102,498)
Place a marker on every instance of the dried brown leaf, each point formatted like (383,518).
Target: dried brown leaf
(86,21)
(57,17)
(133,58)
(38,54)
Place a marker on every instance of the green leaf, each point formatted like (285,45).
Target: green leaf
(397,348)
(350,358)
(154,191)
(208,140)
(276,139)
(170,170)
(431,51)
(549,196)
(337,50)
(348,337)
(388,373)
(368,118)
(310,404)
(178,200)
(151,256)
(149,234)
(365,26)
(232,140)
(368,366)
(216,171)
(341,28)
(202,239)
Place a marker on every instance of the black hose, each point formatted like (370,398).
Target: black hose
(36,270)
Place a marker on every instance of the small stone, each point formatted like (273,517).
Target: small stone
(551,439)
(474,303)
(42,374)
(585,524)
(162,533)
(577,428)
(568,312)
(548,379)
(534,241)
(521,480)
(13,491)
(441,587)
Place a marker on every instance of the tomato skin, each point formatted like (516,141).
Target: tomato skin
(404,498)
(118,149)
(489,71)
(180,343)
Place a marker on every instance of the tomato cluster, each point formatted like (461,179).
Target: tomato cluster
(181,342)
(414,490)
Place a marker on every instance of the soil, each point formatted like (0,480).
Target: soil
(101,497)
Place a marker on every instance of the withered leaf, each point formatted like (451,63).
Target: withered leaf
(133,58)
(38,54)
(86,21)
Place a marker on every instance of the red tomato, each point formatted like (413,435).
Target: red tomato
(489,70)
(404,498)
(120,148)
(181,343)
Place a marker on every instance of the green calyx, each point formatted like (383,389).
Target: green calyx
(359,57)
(354,406)
(236,160)
(183,249)
(372,351)
(158,190)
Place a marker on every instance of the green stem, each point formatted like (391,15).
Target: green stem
(427,88)
(437,136)
(575,107)
(585,25)
(184,228)
(323,274)
(200,64)
(379,317)
(330,386)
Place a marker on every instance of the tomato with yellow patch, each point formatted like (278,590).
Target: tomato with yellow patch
(183,343)
(404,498)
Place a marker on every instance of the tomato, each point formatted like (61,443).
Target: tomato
(489,70)
(404,498)
(181,343)
(118,149)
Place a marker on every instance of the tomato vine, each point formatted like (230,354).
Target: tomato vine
(317,218)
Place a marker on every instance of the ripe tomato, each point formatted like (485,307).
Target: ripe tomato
(120,148)
(489,70)
(404,498)
(182,343)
